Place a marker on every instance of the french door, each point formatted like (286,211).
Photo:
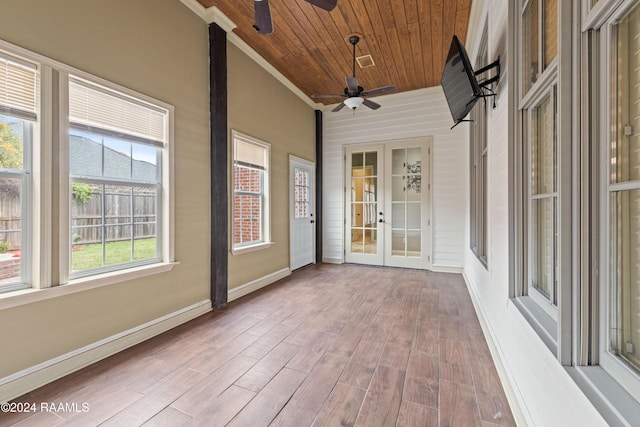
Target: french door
(388,204)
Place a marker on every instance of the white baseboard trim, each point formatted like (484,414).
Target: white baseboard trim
(516,401)
(254,285)
(332,260)
(29,379)
(446,269)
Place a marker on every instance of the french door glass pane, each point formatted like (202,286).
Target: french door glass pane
(364,207)
(543,246)
(406,196)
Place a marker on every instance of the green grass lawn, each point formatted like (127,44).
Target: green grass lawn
(87,257)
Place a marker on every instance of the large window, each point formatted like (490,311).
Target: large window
(18,109)
(250,192)
(115,158)
(539,152)
(104,152)
(478,161)
(623,198)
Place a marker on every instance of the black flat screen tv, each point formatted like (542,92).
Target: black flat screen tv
(459,82)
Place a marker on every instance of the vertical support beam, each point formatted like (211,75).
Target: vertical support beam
(219,165)
(318,186)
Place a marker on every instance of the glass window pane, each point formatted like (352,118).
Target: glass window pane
(625,274)
(370,241)
(144,165)
(543,148)
(398,242)
(117,158)
(85,154)
(543,246)
(10,230)
(414,160)
(550,38)
(118,245)
(625,147)
(414,243)
(86,249)
(398,189)
(397,216)
(398,161)
(530,49)
(357,240)
(357,219)
(12,134)
(413,216)
(371,164)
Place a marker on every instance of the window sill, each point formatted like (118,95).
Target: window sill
(28,296)
(540,321)
(244,249)
(614,403)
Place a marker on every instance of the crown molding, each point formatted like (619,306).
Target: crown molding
(214,15)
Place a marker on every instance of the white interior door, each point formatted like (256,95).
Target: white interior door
(388,204)
(301,207)
(364,201)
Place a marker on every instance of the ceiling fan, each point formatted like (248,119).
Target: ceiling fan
(262,13)
(356,94)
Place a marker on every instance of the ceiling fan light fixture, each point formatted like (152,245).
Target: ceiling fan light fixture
(354,102)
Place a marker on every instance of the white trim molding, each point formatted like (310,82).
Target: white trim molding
(327,260)
(254,285)
(36,376)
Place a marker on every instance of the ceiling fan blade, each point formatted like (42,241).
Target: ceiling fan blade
(326,95)
(264,24)
(324,4)
(352,85)
(338,107)
(380,91)
(371,104)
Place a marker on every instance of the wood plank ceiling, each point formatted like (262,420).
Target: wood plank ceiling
(407,39)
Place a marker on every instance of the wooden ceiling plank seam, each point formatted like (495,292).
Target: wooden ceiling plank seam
(381,35)
(418,55)
(462,20)
(323,58)
(341,53)
(424,16)
(371,40)
(404,39)
(437,34)
(392,35)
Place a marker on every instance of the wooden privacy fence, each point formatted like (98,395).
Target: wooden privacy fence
(125,213)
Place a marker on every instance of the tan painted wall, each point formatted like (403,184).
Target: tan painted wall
(262,107)
(159,48)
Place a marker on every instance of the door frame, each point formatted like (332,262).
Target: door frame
(312,166)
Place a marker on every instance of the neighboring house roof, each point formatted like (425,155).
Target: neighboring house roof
(85,155)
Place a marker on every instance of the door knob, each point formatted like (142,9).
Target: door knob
(312,221)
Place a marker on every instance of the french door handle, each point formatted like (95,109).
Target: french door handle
(312,221)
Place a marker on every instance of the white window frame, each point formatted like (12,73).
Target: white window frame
(479,154)
(265,224)
(53,101)
(165,228)
(552,323)
(624,374)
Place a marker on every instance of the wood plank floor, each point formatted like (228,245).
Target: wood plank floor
(331,345)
